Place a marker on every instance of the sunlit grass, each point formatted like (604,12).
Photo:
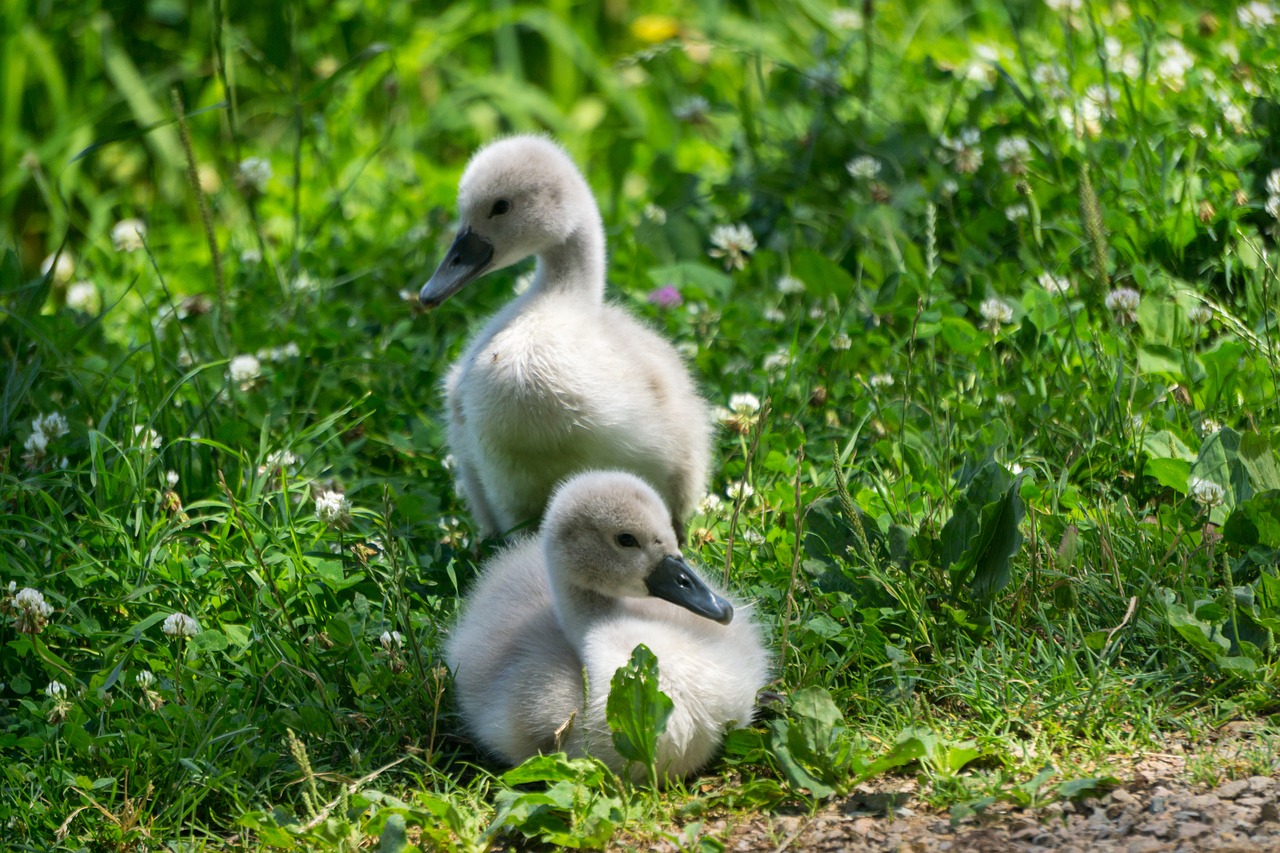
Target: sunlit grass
(998,365)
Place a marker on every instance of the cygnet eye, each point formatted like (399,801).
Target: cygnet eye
(626,540)
(500,207)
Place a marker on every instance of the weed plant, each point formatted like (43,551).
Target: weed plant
(986,294)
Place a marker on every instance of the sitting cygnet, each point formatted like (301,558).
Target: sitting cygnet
(559,381)
(604,575)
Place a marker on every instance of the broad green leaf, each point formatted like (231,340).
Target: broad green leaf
(1202,637)
(1170,473)
(821,275)
(1259,460)
(393,838)
(1255,522)
(637,710)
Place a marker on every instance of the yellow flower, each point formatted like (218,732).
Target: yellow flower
(655,28)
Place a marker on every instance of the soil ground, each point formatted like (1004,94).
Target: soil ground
(1161,804)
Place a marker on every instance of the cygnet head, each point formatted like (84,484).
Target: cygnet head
(518,197)
(609,533)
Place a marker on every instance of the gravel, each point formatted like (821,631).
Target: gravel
(1158,807)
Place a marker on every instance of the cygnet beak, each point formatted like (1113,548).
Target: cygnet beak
(674,581)
(465,261)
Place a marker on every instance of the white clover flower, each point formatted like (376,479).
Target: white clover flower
(62,265)
(1014,212)
(693,110)
(1209,426)
(1013,152)
(880,380)
(1137,423)
(1051,77)
(1004,399)
(995,311)
(390,639)
(302,282)
(841,341)
(654,213)
(1235,116)
(1206,492)
(449,462)
(863,168)
(1272,207)
(774,314)
(1273,182)
(963,151)
(1056,284)
(83,296)
(53,425)
(37,444)
(948,187)
(144,679)
(776,362)
(1175,62)
(180,625)
(1199,314)
(31,601)
(1123,303)
(751,536)
(744,404)
(733,243)
(789,284)
(278,459)
(687,349)
(250,257)
(739,490)
(846,19)
(56,690)
(1065,5)
(332,507)
(244,370)
(1256,15)
(146,437)
(709,505)
(13,585)
(254,173)
(128,235)
(171,479)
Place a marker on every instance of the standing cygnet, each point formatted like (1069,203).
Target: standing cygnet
(559,381)
(604,575)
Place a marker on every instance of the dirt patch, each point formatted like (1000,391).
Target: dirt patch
(1157,807)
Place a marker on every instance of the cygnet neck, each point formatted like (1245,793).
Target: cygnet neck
(575,266)
(577,607)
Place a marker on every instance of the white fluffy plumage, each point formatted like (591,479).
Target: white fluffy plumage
(576,600)
(559,381)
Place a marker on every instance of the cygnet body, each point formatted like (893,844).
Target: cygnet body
(559,381)
(603,576)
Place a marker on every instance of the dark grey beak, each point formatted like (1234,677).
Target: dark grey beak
(674,581)
(465,261)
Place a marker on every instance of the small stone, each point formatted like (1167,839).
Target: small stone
(1269,812)
(1123,797)
(1204,802)
(1234,788)
(1192,829)
(1158,828)
(1251,801)
(1260,784)
(1146,845)
(1157,805)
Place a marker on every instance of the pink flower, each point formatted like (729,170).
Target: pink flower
(666,296)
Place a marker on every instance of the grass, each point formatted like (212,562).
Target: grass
(1007,523)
